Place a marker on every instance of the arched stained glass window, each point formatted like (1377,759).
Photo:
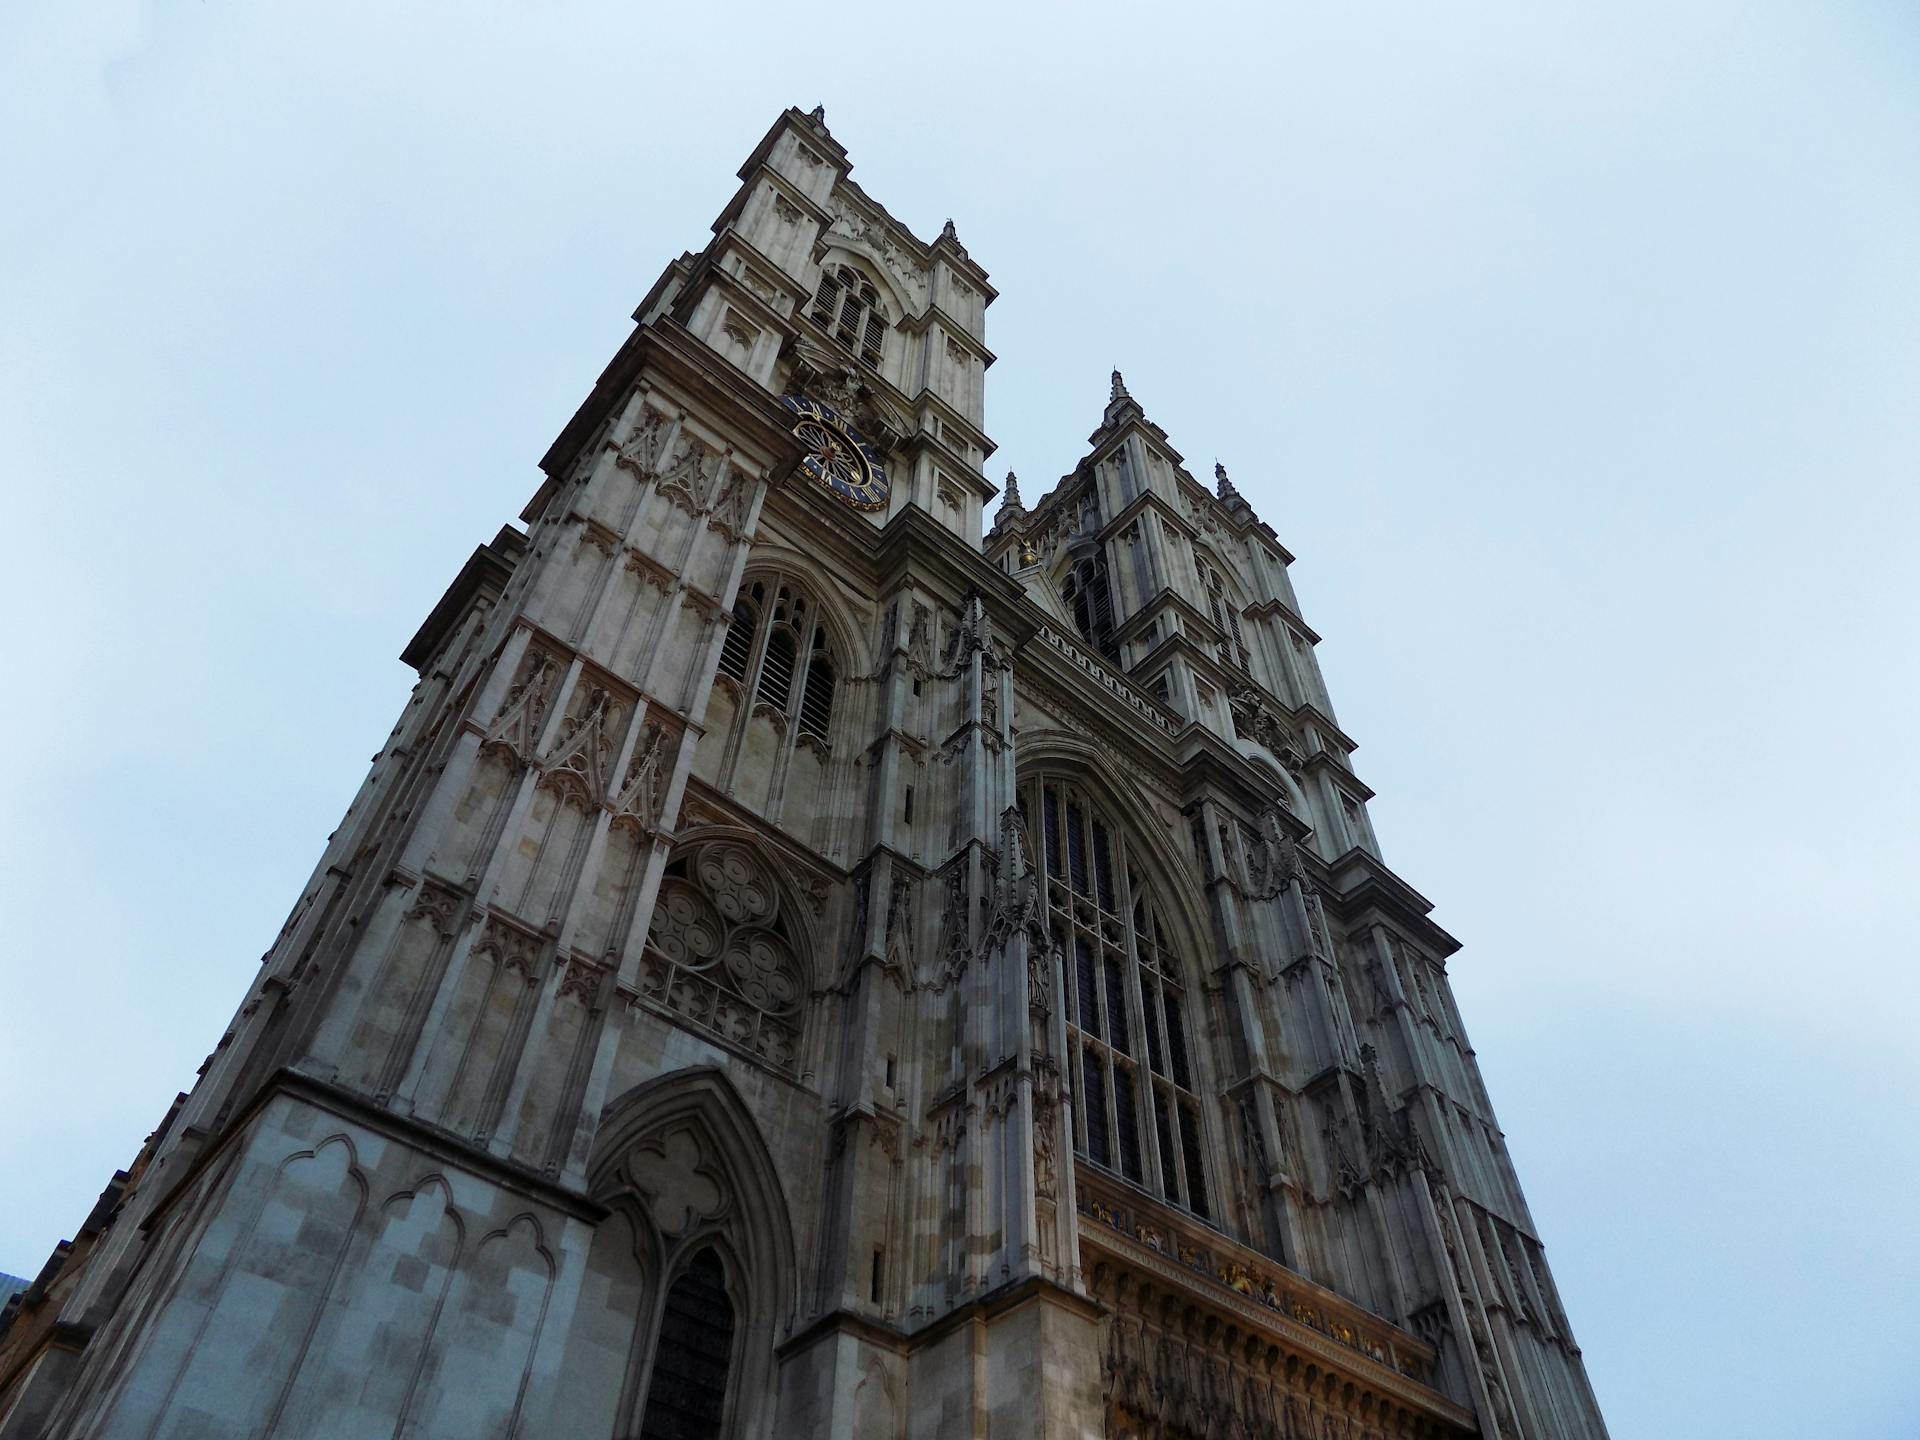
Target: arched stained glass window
(1130,1051)
(687,1394)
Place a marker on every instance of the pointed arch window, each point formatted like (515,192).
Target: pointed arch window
(1130,1054)
(1089,599)
(775,626)
(687,1394)
(848,307)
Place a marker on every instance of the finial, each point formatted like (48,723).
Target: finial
(947,231)
(1010,497)
(1222,486)
(818,115)
(1119,391)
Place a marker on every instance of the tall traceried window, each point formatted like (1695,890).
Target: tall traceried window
(848,306)
(1130,1051)
(687,1392)
(776,628)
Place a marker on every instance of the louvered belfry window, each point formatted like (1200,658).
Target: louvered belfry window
(848,307)
(1226,616)
(1089,598)
(687,1395)
(781,654)
(776,672)
(1136,1109)
(736,651)
(816,701)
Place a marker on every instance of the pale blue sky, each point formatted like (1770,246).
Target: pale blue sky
(1571,349)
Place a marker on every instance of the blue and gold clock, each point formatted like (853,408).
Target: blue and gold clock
(835,455)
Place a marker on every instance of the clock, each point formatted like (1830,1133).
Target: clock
(835,455)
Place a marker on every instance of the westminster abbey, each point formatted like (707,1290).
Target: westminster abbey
(810,963)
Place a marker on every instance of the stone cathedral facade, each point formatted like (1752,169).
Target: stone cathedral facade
(806,964)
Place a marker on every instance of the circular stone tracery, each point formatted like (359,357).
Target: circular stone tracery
(717,955)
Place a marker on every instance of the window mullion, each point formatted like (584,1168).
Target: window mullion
(1114,1078)
(1122,859)
(802,669)
(756,656)
(1176,1123)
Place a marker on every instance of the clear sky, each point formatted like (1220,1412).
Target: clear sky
(1572,349)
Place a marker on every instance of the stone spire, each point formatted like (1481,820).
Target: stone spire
(1014,516)
(1119,390)
(1012,513)
(1222,486)
(1010,497)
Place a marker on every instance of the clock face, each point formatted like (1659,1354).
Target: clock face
(835,455)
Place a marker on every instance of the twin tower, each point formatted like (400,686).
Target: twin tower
(807,965)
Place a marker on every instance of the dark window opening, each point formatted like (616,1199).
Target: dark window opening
(1190,1151)
(687,1396)
(1126,1125)
(1095,1100)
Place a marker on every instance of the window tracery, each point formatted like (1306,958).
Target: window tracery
(775,624)
(720,953)
(1088,595)
(1129,1046)
(848,306)
(688,1273)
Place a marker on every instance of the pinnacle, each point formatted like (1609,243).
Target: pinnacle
(1010,497)
(1223,487)
(1119,391)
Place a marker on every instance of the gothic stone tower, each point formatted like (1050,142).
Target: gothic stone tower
(801,967)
